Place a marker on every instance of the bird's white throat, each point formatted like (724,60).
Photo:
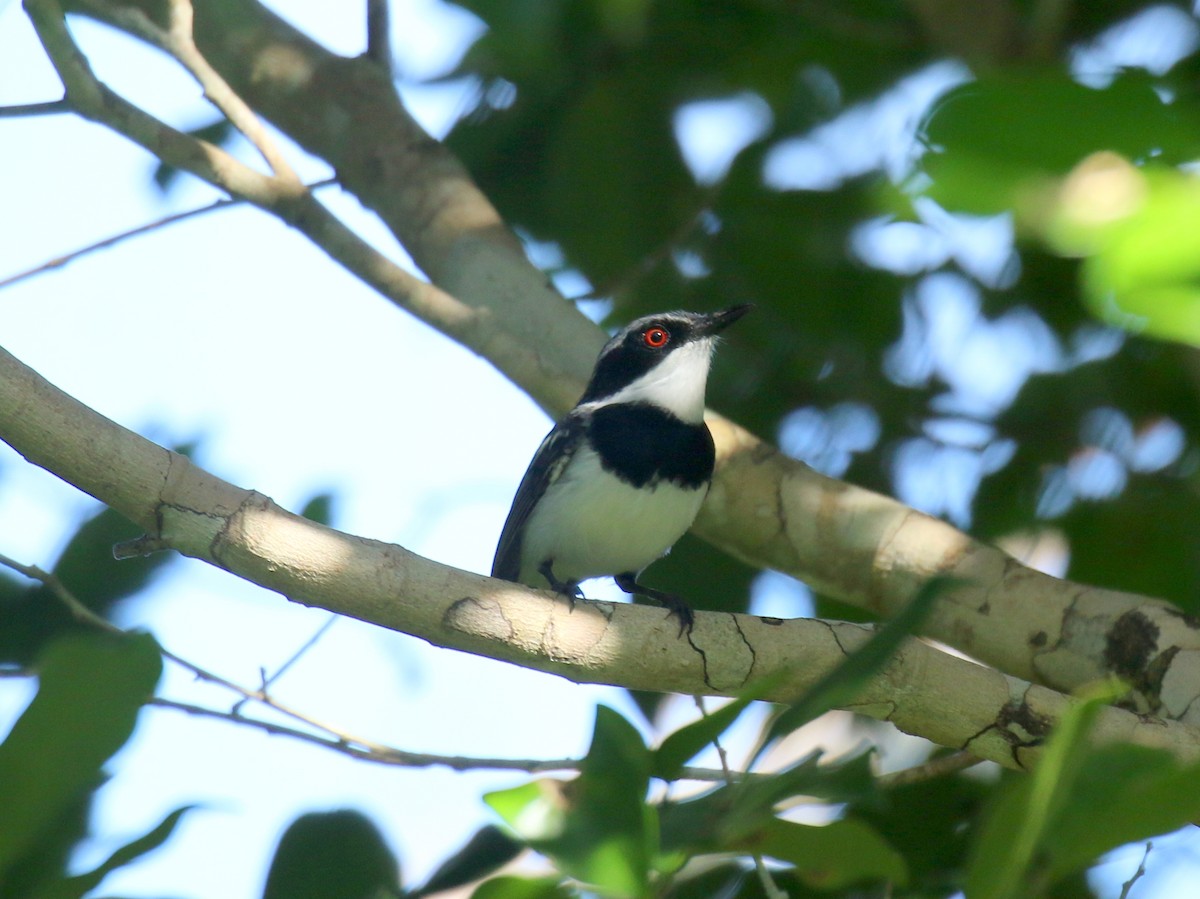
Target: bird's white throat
(675,384)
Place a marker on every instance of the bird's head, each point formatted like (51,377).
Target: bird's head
(662,360)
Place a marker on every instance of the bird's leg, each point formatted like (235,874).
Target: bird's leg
(674,605)
(569,589)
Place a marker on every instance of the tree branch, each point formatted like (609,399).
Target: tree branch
(769,510)
(924,691)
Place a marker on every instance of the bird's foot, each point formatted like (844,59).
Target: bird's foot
(674,605)
(569,589)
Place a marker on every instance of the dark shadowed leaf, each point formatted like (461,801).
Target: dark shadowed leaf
(83,883)
(486,851)
(319,508)
(333,855)
(832,856)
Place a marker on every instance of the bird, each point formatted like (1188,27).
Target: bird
(620,478)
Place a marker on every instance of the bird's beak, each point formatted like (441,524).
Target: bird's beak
(719,321)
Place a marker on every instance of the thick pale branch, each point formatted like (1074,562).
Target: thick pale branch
(765,508)
(923,691)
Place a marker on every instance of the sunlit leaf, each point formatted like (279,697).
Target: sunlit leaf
(598,827)
(998,141)
(512,887)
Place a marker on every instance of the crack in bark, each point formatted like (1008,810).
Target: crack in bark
(703,659)
(1016,714)
(753,655)
(1067,614)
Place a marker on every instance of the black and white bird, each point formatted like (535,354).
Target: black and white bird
(622,476)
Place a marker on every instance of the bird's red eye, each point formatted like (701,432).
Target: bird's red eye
(655,337)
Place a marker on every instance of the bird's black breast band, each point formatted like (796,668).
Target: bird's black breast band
(644,445)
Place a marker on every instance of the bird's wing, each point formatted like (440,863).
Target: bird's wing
(547,466)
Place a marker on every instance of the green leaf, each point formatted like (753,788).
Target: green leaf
(535,810)
(332,855)
(486,851)
(1154,792)
(90,689)
(842,684)
(832,856)
(728,814)
(998,140)
(1003,859)
(511,887)
(319,508)
(87,565)
(1142,268)
(598,827)
(81,884)
(682,746)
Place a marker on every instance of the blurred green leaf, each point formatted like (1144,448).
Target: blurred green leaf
(997,142)
(1006,859)
(831,856)
(32,615)
(1153,791)
(333,855)
(598,827)
(1088,801)
(928,823)
(734,813)
(90,689)
(1142,270)
(319,508)
(81,884)
(513,887)
(843,683)
(682,745)
(486,851)
(89,570)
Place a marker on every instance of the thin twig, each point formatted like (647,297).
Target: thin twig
(176,39)
(295,657)
(370,752)
(769,887)
(379,34)
(329,737)
(930,770)
(78,610)
(181,45)
(104,244)
(629,279)
(1137,875)
(292,204)
(23,110)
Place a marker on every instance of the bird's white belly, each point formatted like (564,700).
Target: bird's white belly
(590,523)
